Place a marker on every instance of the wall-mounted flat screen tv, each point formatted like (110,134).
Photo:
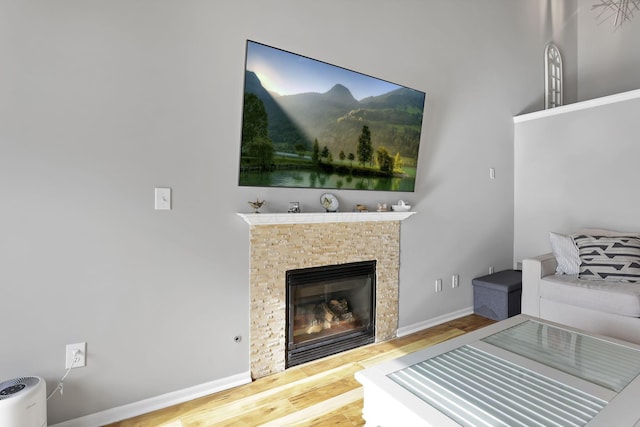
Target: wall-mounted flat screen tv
(310,124)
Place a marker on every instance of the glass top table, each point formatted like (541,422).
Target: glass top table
(610,365)
(518,372)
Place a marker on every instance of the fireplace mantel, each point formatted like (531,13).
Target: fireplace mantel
(322,217)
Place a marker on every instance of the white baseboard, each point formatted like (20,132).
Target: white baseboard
(406,330)
(155,403)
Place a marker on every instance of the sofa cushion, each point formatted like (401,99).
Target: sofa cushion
(566,253)
(609,258)
(622,298)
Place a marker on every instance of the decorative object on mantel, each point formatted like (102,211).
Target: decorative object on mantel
(552,76)
(361,208)
(294,207)
(257,205)
(620,10)
(329,202)
(401,207)
(382,207)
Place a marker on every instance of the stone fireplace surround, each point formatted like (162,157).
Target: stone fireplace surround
(281,242)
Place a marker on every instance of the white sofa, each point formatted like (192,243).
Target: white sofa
(606,308)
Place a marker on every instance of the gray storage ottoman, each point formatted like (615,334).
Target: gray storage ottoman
(498,295)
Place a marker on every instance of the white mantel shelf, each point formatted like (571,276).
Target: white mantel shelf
(321,217)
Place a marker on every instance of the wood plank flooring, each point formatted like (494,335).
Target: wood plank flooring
(319,393)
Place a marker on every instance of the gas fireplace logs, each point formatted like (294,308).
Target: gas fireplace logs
(318,317)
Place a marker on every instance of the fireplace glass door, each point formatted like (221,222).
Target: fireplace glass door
(329,309)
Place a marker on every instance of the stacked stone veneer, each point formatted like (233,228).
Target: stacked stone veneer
(278,248)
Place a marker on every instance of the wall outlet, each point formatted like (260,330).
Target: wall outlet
(455,281)
(490,270)
(438,285)
(81,356)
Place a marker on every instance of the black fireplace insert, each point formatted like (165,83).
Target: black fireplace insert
(330,309)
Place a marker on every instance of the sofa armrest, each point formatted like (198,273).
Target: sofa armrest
(533,269)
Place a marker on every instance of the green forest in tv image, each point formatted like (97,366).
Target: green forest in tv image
(328,140)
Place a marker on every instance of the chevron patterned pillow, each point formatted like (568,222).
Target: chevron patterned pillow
(609,258)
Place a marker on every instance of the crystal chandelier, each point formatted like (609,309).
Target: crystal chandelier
(620,10)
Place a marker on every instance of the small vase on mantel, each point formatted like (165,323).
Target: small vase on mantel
(257,205)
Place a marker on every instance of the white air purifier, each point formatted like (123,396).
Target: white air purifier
(23,402)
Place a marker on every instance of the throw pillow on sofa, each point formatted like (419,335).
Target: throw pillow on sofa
(609,258)
(566,253)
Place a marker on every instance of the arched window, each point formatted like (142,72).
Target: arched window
(552,76)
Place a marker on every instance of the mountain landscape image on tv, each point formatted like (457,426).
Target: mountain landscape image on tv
(310,124)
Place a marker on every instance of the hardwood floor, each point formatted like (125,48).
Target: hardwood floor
(319,393)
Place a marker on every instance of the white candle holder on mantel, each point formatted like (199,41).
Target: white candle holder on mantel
(321,217)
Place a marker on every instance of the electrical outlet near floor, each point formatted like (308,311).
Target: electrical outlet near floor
(438,285)
(455,281)
(81,356)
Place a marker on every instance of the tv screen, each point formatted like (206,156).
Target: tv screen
(310,124)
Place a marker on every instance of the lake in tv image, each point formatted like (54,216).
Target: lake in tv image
(310,124)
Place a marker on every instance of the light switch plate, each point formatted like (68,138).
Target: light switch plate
(163,199)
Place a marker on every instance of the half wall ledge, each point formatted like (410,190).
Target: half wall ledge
(322,217)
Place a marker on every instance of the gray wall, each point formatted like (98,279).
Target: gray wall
(571,168)
(608,58)
(576,170)
(101,101)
